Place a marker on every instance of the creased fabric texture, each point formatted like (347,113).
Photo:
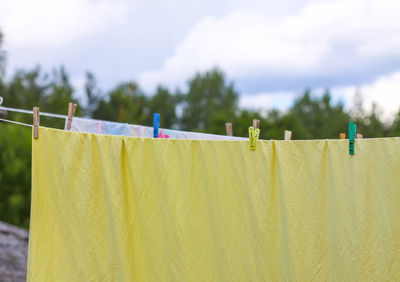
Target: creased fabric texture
(133,130)
(114,208)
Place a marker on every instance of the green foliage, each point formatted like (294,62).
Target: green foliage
(209,103)
(15,174)
(164,103)
(206,106)
(126,103)
(51,92)
(25,90)
(93,94)
(2,56)
(317,117)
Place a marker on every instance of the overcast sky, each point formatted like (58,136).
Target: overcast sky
(272,50)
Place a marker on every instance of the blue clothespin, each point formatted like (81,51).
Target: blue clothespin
(156,124)
(352,136)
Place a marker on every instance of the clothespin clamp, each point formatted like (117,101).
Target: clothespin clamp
(288,135)
(352,136)
(36,122)
(71,113)
(253,136)
(1,100)
(156,124)
(228,126)
(256,123)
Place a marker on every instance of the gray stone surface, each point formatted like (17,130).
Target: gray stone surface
(13,253)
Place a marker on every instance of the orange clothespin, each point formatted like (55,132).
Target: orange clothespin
(36,122)
(342,136)
(71,113)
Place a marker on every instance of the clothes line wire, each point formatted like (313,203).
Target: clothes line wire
(16,122)
(31,112)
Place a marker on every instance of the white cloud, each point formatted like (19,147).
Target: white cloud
(275,100)
(384,91)
(51,23)
(320,38)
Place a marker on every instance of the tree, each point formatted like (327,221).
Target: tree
(210,102)
(2,56)
(164,103)
(126,103)
(15,174)
(371,125)
(93,94)
(395,126)
(51,92)
(313,117)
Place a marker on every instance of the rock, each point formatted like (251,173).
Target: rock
(13,253)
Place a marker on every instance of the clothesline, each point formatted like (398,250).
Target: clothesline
(16,122)
(31,112)
(116,128)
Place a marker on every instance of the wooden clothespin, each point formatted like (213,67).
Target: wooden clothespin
(71,113)
(352,136)
(36,122)
(256,123)
(342,136)
(228,126)
(156,124)
(288,135)
(359,136)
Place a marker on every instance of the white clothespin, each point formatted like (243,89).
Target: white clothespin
(288,135)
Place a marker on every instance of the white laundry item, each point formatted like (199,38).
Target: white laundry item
(133,130)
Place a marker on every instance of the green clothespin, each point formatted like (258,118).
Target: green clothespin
(352,136)
(253,136)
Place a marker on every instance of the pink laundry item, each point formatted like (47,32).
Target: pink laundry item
(162,135)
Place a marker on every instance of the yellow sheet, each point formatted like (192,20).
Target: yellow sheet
(113,208)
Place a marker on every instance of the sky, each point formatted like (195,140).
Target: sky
(271,50)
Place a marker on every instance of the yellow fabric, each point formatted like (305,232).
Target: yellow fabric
(113,208)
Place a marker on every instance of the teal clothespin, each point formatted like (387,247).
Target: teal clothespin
(352,136)
(253,136)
